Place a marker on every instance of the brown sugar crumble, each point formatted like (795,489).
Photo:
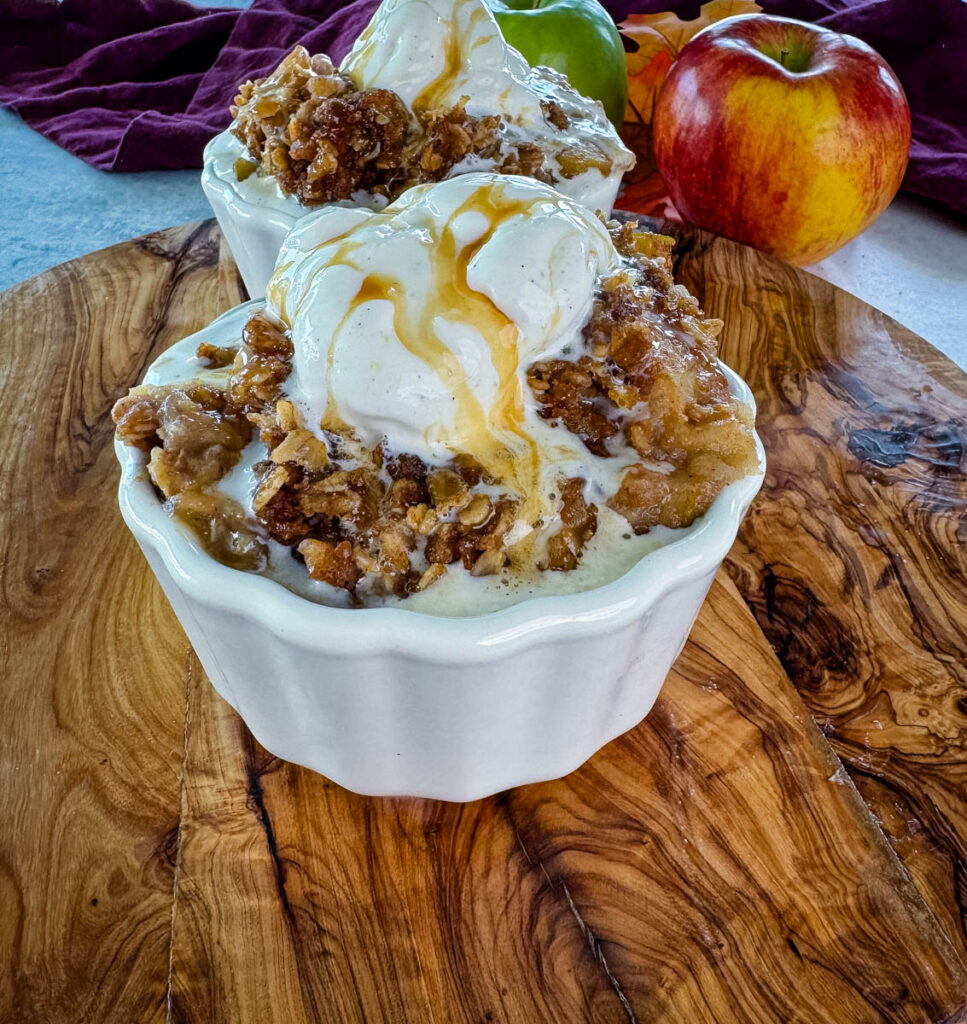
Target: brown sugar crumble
(323,139)
(651,377)
(645,380)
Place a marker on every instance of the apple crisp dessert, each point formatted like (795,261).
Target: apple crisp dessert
(644,387)
(323,139)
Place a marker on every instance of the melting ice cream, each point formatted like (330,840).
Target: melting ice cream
(416,325)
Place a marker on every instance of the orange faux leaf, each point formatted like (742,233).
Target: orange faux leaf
(658,39)
(649,197)
(644,85)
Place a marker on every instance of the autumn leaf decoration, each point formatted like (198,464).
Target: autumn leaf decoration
(655,41)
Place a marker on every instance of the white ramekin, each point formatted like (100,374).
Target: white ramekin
(387,701)
(255,217)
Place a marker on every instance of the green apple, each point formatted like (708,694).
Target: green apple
(577,38)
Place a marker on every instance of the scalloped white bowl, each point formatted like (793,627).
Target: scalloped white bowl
(254,223)
(392,702)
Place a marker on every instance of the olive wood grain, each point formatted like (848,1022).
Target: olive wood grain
(715,864)
(93,661)
(854,559)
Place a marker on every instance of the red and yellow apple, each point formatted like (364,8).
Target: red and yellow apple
(782,135)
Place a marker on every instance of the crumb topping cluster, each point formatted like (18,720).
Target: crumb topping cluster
(649,380)
(323,139)
(374,521)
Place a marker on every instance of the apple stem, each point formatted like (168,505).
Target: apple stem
(783,54)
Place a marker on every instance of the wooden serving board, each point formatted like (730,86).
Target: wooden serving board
(717,863)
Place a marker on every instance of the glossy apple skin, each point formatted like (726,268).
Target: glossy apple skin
(795,163)
(577,38)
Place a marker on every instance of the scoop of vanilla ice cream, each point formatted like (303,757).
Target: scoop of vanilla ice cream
(416,325)
(442,53)
(437,53)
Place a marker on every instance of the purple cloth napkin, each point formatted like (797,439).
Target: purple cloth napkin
(133,85)
(138,85)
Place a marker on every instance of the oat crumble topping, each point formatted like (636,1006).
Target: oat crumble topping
(646,379)
(323,139)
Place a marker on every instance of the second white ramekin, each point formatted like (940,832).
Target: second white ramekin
(255,216)
(254,219)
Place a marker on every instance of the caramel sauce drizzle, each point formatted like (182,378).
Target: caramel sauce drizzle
(362,52)
(277,292)
(434,94)
(496,436)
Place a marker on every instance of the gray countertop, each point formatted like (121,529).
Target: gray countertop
(65,208)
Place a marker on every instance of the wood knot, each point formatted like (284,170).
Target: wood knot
(940,445)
